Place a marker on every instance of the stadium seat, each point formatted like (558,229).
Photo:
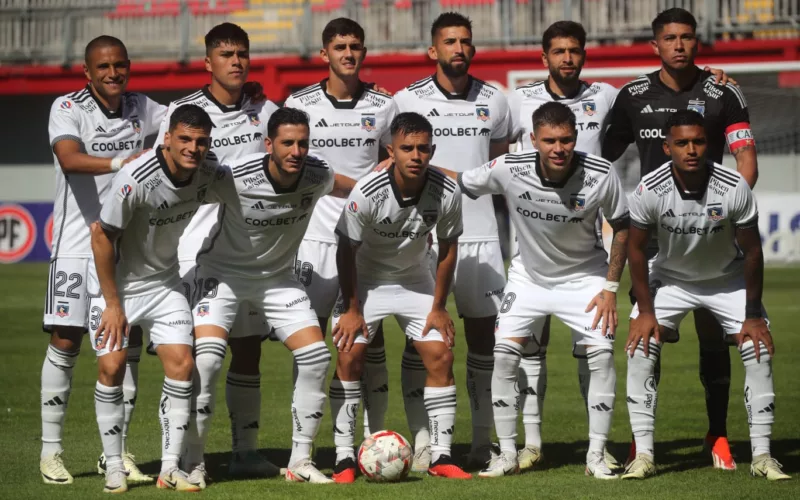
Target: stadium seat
(156,8)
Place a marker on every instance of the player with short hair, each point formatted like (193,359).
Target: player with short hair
(639,115)
(350,126)
(705,218)
(240,121)
(391,214)
(151,201)
(555,195)
(93,133)
(470,120)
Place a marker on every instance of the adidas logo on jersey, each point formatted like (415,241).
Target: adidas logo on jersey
(100,129)
(258,206)
(434,113)
(321,123)
(163,206)
(525,196)
(668,213)
(647,109)
(386,220)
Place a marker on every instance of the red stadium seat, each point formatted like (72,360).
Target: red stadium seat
(156,8)
(465,3)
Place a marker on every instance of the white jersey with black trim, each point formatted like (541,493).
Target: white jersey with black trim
(348,136)
(393,231)
(464,125)
(80,117)
(696,231)
(152,209)
(555,222)
(239,130)
(591,104)
(262,223)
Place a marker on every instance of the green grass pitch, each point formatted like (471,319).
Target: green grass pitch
(683,470)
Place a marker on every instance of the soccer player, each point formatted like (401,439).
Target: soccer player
(350,126)
(135,249)
(391,214)
(704,214)
(267,203)
(93,133)
(240,123)
(554,196)
(639,115)
(470,127)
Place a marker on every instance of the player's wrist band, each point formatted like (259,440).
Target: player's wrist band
(116,164)
(611,286)
(752,310)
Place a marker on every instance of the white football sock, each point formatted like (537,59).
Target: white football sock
(56,386)
(642,396)
(375,390)
(479,388)
(243,396)
(440,403)
(532,388)
(505,396)
(110,411)
(344,397)
(602,385)
(412,379)
(309,397)
(583,379)
(173,410)
(129,390)
(209,355)
(759,397)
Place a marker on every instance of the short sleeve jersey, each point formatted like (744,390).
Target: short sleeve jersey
(643,106)
(555,222)
(347,135)
(152,209)
(696,232)
(591,104)
(82,118)
(393,231)
(464,125)
(239,130)
(262,223)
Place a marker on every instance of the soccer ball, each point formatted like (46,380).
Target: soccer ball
(385,456)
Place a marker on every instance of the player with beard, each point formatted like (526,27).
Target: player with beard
(639,115)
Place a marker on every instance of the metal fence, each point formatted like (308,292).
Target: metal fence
(55,31)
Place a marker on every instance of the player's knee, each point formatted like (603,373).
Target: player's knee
(111,369)
(440,363)
(179,364)
(350,365)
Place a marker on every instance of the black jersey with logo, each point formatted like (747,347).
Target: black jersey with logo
(643,106)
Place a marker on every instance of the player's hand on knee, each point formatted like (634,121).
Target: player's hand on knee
(439,319)
(642,329)
(606,304)
(349,326)
(720,78)
(113,328)
(756,329)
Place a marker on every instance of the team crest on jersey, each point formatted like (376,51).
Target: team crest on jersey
(698,106)
(306,200)
(137,126)
(589,108)
(368,122)
(62,310)
(353,207)
(577,202)
(254,121)
(482,112)
(203,309)
(715,213)
(430,216)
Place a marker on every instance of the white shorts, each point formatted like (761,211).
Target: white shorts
(315,268)
(67,300)
(673,300)
(281,301)
(526,305)
(164,313)
(248,323)
(479,279)
(408,303)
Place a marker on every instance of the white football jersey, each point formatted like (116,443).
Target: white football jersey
(348,136)
(463,127)
(696,232)
(239,130)
(555,222)
(152,209)
(80,117)
(262,224)
(393,231)
(591,104)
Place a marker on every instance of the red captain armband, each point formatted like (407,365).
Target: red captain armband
(738,135)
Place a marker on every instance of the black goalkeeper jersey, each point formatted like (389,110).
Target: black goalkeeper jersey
(643,106)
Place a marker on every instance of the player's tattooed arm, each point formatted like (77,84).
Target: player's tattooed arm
(606,300)
(342,185)
(747,163)
(439,319)
(619,249)
(113,323)
(755,327)
(351,323)
(646,325)
(74,161)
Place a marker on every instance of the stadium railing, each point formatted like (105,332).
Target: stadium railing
(55,31)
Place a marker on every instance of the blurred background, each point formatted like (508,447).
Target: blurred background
(42,41)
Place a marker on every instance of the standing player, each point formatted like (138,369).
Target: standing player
(703,214)
(470,127)
(267,202)
(391,214)
(555,196)
(639,114)
(150,203)
(240,124)
(93,133)
(350,125)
